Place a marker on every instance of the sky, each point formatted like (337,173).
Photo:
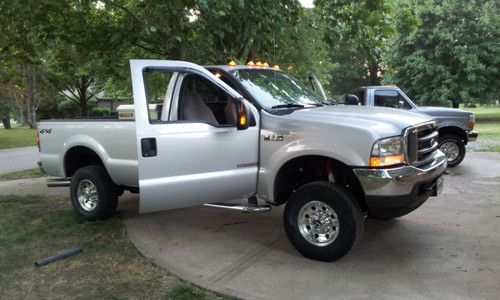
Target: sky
(307,3)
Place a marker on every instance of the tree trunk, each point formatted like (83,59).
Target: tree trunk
(23,114)
(455,104)
(83,104)
(177,53)
(31,101)
(6,123)
(83,84)
(373,73)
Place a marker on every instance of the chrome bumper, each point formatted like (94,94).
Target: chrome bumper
(472,136)
(399,181)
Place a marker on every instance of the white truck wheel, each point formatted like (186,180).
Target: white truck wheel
(323,221)
(93,193)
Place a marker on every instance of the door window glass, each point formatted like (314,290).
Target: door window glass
(203,101)
(361,96)
(157,91)
(390,99)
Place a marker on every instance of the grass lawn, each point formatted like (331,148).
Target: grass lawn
(32,173)
(33,227)
(18,136)
(488,126)
(486,113)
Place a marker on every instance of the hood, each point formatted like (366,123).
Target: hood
(443,111)
(384,121)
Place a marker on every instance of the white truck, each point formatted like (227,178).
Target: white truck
(223,133)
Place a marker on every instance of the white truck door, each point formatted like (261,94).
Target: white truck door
(185,163)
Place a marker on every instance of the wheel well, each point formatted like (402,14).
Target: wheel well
(452,130)
(305,169)
(78,157)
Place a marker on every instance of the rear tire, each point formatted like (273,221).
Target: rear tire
(93,193)
(454,148)
(323,221)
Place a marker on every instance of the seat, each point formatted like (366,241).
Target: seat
(193,108)
(230,111)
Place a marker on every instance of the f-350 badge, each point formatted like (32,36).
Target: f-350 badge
(275,136)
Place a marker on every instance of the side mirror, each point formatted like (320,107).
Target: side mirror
(242,114)
(350,99)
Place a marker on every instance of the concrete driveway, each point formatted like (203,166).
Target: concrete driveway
(18,159)
(449,248)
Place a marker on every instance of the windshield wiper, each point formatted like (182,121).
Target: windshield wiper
(288,105)
(329,102)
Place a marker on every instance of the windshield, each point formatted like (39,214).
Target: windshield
(274,89)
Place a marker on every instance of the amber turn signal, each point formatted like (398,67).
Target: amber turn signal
(386,160)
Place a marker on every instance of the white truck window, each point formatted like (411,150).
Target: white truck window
(361,96)
(156,88)
(202,100)
(389,98)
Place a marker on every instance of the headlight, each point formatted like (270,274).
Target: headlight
(472,122)
(387,152)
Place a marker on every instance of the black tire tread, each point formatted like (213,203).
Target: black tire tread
(461,148)
(321,253)
(108,198)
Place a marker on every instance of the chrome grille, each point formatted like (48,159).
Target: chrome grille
(421,143)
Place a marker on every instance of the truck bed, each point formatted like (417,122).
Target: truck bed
(112,139)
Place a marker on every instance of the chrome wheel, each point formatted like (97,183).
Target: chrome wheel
(451,150)
(318,223)
(86,192)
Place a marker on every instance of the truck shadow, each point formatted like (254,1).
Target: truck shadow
(208,232)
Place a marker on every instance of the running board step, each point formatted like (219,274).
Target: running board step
(241,207)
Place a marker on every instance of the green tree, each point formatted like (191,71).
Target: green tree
(302,49)
(243,30)
(7,109)
(358,37)
(454,54)
(11,94)
(88,46)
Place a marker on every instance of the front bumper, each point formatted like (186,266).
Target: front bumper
(472,135)
(402,187)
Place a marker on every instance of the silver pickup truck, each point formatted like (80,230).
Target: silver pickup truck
(223,133)
(455,126)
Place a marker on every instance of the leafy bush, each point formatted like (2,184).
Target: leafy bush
(103,112)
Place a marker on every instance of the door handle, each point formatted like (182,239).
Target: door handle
(148,147)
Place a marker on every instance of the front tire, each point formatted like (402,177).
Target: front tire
(93,193)
(323,221)
(454,149)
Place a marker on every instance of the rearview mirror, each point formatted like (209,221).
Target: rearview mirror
(242,114)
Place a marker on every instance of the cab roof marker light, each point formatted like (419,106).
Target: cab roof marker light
(265,65)
(276,67)
(250,64)
(258,64)
(232,63)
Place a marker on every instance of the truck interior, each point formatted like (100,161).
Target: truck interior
(390,98)
(201,100)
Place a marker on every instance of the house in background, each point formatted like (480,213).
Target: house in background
(111,103)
